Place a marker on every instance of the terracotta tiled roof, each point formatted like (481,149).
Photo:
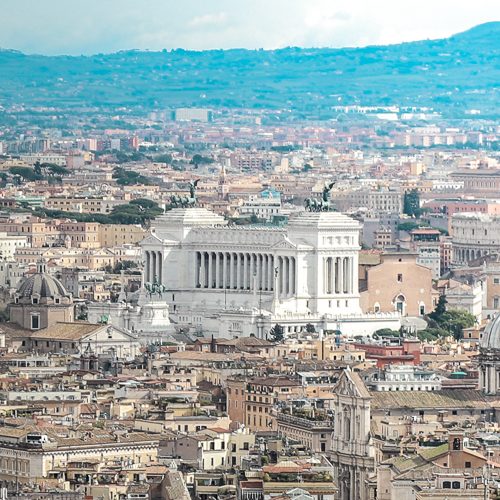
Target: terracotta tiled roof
(67,331)
(447,398)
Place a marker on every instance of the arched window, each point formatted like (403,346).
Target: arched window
(400,304)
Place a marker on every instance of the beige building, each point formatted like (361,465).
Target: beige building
(112,235)
(29,453)
(81,234)
(92,259)
(38,232)
(396,283)
(82,205)
(492,271)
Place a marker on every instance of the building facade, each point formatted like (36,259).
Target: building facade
(234,281)
(398,283)
(474,235)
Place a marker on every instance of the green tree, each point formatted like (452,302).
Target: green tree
(123,265)
(163,158)
(408,226)
(386,332)
(277,333)
(198,159)
(145,203)
(310,328)
(37,167)
(411,203)
(440,309)
(27,173)
(52,169)
(455,320)
(452,321)
(431,334)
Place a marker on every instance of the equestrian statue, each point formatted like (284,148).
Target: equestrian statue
(185,201)
(155,287)
(323,204)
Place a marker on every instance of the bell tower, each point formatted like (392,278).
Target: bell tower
(222,187)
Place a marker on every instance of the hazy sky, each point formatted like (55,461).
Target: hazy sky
(92,26)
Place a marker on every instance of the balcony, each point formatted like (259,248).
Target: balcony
(305,422)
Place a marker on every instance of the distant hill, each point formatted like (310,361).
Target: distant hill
(450,75)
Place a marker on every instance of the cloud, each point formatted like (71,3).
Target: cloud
(208,20)
(76,27)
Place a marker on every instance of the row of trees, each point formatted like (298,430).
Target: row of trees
(442,323)
(139,211)
(125,177)
(39,172)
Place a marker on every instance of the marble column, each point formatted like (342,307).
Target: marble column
(237,271)
(153,265)
(160,267)
(327,285)
(264,271)
(252,271)
(224,270)
(293,276)
(346,274)
(217,269)
(202,270)
(259,271)
(287,276)
(245,271)
(231,270)
(283,277)
(274,265)
(341,275)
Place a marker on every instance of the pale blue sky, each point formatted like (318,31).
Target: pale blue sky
(92,26)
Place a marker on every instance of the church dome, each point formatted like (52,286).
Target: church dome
(491,336)
(41,284)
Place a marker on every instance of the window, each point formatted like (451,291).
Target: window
(35,322)
(34,300)
(400,278)
(468,465)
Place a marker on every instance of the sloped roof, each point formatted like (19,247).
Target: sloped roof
(446,398)
(67,331)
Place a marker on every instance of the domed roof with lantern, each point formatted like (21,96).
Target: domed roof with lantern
(42,285)
(491,335)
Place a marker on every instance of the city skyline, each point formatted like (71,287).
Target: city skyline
(54,29)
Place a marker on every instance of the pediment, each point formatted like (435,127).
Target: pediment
(350,384)
(284,244)
(151,239)
(117,334)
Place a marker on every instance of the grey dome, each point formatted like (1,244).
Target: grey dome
(43,285)
(491,336)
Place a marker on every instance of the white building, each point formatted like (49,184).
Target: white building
(8,245)
(467,297)
(404,378)
(264,206)
(232,280)
(192,114)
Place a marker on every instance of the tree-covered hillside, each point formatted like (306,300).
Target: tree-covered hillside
(451,75)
